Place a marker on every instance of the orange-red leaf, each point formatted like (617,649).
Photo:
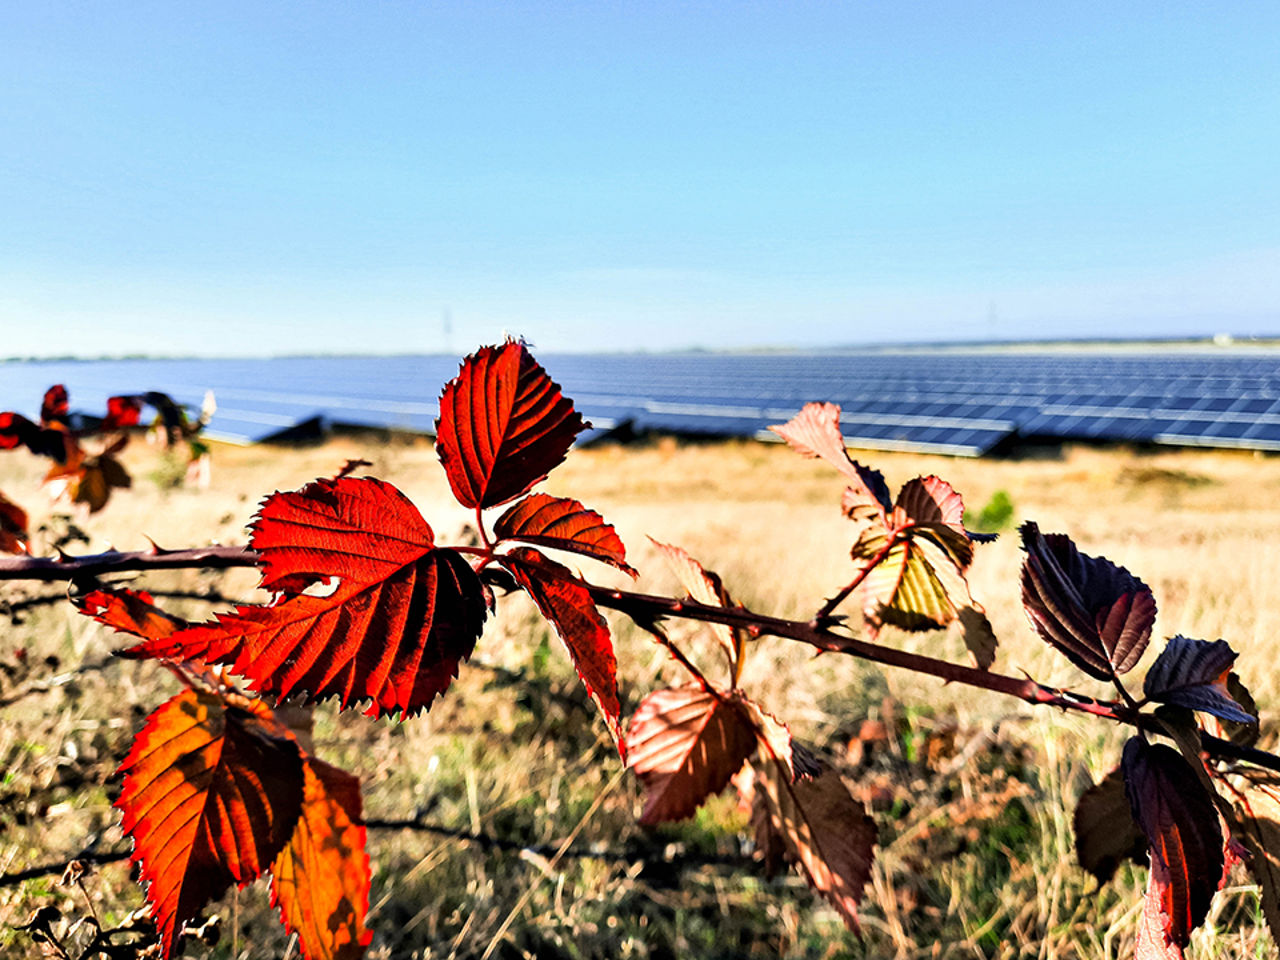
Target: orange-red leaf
(1179,819)
(815,822)
(88,479)
(212,792)
(685,743)
(320,880)
(931,505)
(13,527)
(562,524)
(565,601)
(130,611)
(503,426)
(122,412)
(400,616)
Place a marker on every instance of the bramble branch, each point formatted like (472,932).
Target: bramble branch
(649,609)
(53,569)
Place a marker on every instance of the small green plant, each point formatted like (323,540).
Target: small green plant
(996,515)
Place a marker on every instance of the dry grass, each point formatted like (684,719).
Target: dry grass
(973,793)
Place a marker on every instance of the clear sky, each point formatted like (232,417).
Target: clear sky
(238,178)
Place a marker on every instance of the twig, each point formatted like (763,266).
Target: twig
(208,596)
(628,853)
(59,680)
(87,855)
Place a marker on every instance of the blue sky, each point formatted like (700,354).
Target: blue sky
(241,178)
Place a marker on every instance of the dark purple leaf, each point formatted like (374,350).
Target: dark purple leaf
(1106,835)
(1180,822)
(1097,613)
(1193,674)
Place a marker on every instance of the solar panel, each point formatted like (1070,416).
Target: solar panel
(947,401)
(1254,405)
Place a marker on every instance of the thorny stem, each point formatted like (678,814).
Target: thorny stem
(53,569)
(829,607)
(647,609)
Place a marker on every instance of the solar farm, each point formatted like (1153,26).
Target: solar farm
(957,402)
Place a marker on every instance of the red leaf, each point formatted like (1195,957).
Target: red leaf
(816,823)
(401,616)
(565,601)
(13,527)
(1193,674)
(503,426)
(815,432)
(320,880)
(685,743)
(122,412)
(928,503)
(54,407)
(921,552)
(928,500)
(130,611)
(1154,942)
(1097,613)
(1180,822)
(562,524)
(17,431)
(212,792)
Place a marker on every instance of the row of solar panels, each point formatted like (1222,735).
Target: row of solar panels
(946,402)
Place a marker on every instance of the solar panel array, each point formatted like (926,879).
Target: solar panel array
(954,402)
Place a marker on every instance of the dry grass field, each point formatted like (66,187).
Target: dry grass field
(973,793)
